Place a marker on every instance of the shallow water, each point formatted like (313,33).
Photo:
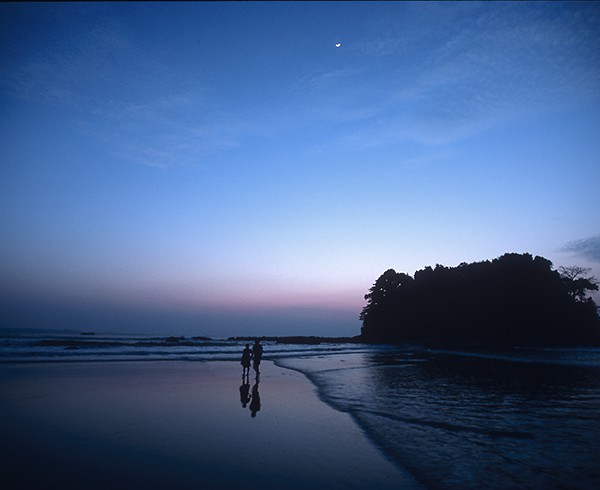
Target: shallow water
(522,418)
(83,348)
(526,419)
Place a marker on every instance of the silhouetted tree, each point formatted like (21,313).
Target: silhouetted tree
(515,299)
(577,281)
(382,299)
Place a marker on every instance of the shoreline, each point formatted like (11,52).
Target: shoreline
(181,424)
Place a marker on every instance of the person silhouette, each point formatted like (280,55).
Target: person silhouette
(257,352)
(245,392)
(255,402)
(246,356)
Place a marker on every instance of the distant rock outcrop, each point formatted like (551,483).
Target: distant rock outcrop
(301,339)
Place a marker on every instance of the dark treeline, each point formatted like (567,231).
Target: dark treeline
(512,300)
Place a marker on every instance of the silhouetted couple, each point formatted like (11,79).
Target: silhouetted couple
(254,355)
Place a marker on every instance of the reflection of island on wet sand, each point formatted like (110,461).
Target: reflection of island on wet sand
(177,425)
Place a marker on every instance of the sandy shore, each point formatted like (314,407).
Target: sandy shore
(177,425)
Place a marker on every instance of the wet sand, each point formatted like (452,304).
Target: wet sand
(177,424)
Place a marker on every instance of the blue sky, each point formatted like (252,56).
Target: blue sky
(224,169)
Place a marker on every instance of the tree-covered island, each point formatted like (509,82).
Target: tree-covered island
(514,300)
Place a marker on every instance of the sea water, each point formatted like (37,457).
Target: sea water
(523,418)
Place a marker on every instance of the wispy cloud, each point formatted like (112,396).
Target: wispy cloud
(170,130)
(435,74)
(426,159)
(474,68)
(168,146)
(588,248)
(327,79)
(83,69)
(144,111)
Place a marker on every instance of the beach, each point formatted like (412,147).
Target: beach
(178,424)
(142,412)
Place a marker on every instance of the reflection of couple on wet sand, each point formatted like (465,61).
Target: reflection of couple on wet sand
(254,355)
(246,397)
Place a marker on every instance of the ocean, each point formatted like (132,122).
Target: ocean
(523,418)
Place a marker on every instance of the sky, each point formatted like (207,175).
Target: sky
(241,168)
